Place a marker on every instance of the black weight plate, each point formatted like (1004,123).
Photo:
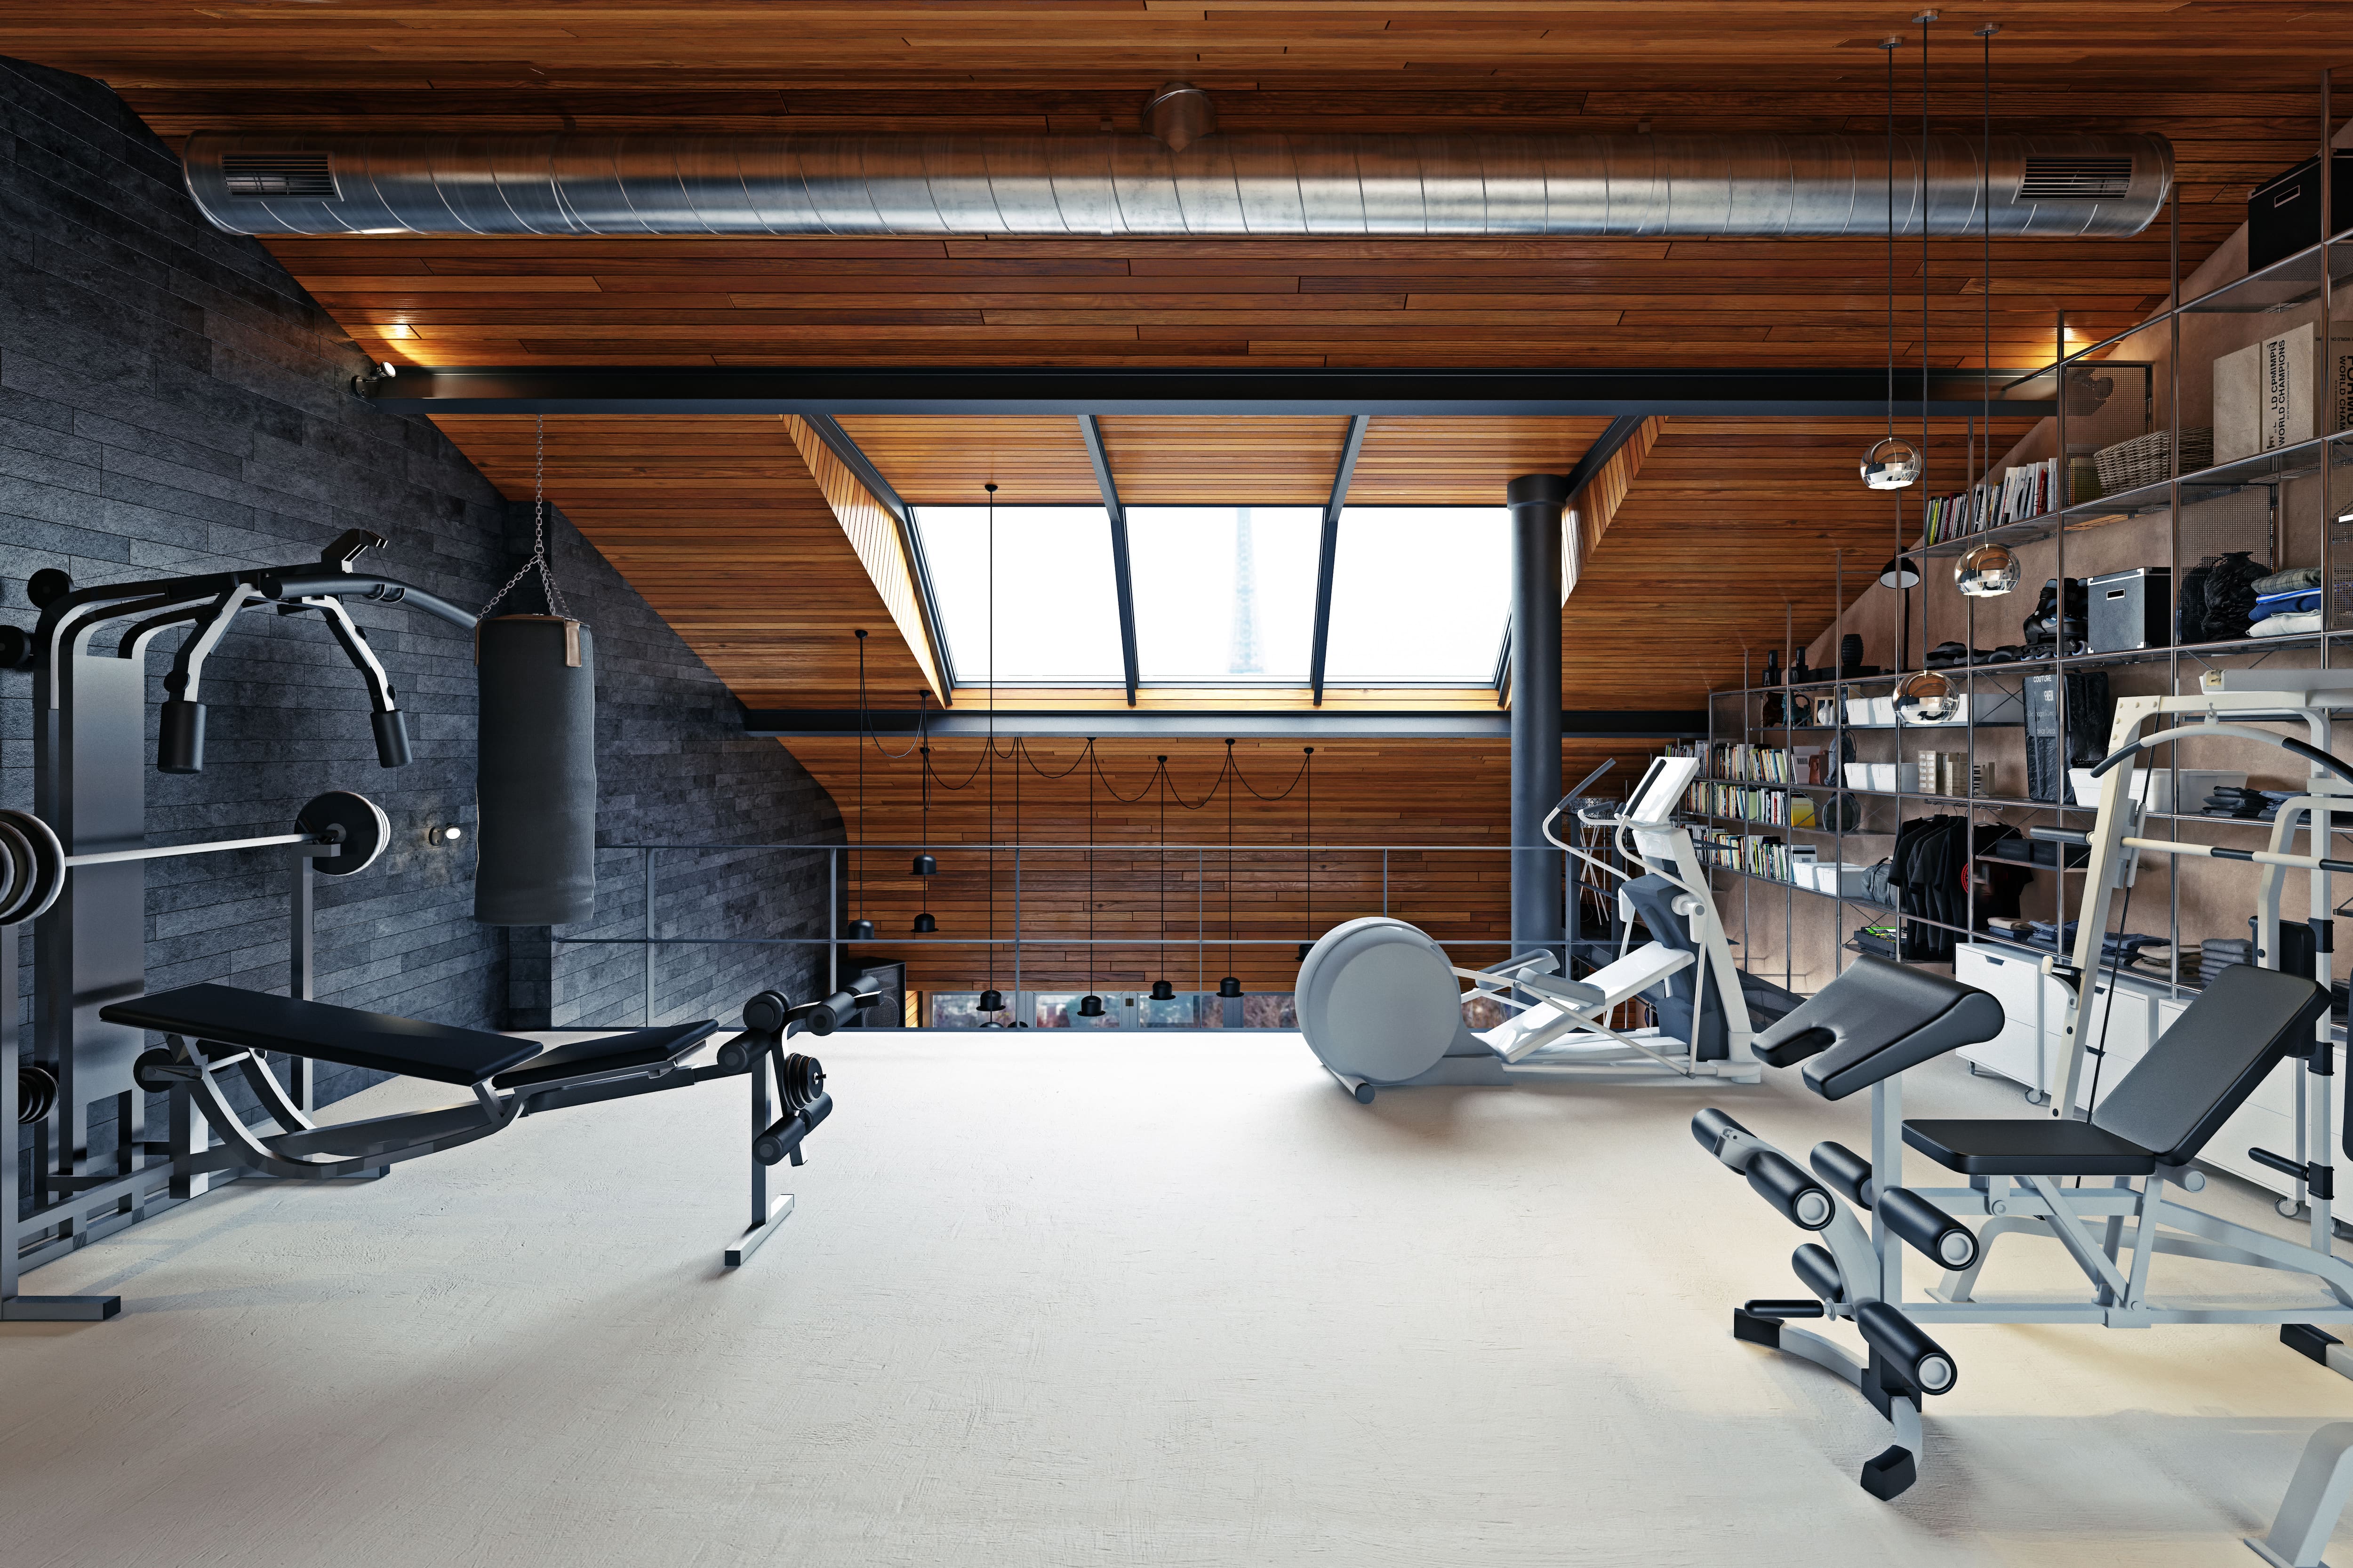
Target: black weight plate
(36,1093)
(38,866)
(365,830)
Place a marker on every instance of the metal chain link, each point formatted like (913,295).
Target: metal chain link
(538,531)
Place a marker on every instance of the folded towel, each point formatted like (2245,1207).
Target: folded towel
(2272,604)
(2286,626)
(2294,577)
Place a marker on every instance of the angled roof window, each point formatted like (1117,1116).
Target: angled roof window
(1420,596)
(1224,593)
(1057,620)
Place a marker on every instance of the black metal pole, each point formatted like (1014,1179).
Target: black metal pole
(1536,501)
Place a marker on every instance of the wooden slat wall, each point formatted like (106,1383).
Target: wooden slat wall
(1448,794)
(873,532)
(1594,508)
(718,524)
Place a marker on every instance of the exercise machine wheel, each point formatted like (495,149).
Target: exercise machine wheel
(2288,1207)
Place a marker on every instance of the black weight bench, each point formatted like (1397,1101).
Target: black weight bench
(2163,1112)
(381,1042)
(211,1029)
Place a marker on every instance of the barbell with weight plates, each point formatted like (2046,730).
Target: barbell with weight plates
(33,862)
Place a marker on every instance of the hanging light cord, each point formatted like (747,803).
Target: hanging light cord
(1229,857)
(1985,225)
(991,742)
(1925,17)
(1888,49)
(1091,870)
(538,561)
(858,836)
(1307,770)
(1160,953)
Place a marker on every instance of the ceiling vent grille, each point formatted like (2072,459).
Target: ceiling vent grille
(2076,180)
(278,175)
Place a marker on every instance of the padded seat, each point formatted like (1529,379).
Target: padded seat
(381,1042)
(2193,1080)
(636,1049)
(2008,1148)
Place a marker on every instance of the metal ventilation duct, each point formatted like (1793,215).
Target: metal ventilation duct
(1220,183)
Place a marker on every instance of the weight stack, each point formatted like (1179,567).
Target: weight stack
(535,789)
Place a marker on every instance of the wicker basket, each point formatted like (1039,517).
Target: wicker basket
(2144,459)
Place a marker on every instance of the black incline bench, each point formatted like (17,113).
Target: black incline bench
(210,1030)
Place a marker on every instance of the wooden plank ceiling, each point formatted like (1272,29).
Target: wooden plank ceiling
(2233,84)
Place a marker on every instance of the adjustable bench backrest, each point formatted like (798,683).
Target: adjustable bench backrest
(2202,1069)
(1874,1021)
(378,1041)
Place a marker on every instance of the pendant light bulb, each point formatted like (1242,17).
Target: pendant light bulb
(1230,986)
(1891,464)
(924,924)
(992,1000)
(1162,991)
(1091,1006)
(860,931)
(927,867)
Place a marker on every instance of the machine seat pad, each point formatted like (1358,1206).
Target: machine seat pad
(608,1054)
(380,1042)
(1874,1021)
(2243,1025)
(2021,1148)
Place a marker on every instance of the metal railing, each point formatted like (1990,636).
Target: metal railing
(1350,890)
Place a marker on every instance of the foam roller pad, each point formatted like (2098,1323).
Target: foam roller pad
(536,787)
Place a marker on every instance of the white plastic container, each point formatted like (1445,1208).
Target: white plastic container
(2154,786)
(1836,878)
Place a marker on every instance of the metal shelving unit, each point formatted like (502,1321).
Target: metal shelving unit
(2301,284)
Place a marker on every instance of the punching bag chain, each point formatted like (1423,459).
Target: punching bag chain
(538,561)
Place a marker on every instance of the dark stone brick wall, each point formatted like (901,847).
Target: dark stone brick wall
(171,402)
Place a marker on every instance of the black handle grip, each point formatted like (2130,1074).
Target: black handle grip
(391,738)
(1913,1355)
(1844,1168)
(1933,1234)
(180,737)
(1801,1199)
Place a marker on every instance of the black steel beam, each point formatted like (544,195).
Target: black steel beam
(1632,724)
(1809,393)
(911,543)
(1123,579)
(1328,552)
(1619,431)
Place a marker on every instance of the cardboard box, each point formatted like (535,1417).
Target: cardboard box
(2262,393)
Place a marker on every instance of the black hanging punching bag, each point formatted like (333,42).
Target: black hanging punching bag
(536,791)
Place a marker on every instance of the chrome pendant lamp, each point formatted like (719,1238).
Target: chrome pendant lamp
(1893,463)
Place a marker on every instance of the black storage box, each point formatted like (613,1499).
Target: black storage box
(2283,212)
(2128,610)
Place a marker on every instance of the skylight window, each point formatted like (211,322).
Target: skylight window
(1420,596)
(1057,610)
(1224,593)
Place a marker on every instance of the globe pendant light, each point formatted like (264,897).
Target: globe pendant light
(1927,698)
(1091,1006)
(1986,572)
(1893,463)
(860,928)
(1230,986)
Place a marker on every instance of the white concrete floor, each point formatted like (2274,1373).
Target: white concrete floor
(1054,1300)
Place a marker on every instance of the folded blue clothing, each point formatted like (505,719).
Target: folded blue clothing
(2293,601)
